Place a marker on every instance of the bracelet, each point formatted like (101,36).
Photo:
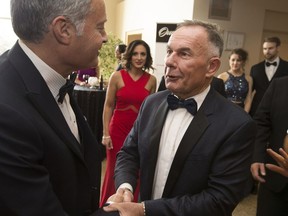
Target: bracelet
(144,210)
(105,137)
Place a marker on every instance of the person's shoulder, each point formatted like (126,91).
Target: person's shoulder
(260,64)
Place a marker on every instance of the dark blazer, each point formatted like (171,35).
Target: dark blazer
(211,165)
(44,170)
(216,83)
(261,82)
(272,120)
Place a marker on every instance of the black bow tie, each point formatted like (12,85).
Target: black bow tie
(273,63)
(189,104)
(67,88)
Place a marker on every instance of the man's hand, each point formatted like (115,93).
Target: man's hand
(281,159)
(122,201)
(126,208)
(258,170)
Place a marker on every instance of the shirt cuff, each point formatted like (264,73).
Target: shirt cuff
(127,186)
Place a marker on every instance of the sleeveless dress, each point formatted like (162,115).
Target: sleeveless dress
(132,94)
(236,88)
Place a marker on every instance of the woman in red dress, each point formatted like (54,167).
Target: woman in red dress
(125,93)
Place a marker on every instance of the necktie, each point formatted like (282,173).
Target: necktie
(273,63)
(189,104)
(67,88)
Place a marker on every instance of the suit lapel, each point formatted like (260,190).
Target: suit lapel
(191,137)
(42,99)
(55,119)
(153,149)
(188,142)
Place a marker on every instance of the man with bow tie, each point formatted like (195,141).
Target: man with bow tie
(264,72)
(50,161)
(190,146)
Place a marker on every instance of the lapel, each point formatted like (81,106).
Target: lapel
(262,75)
(281,68)
(191,137)
(153,147)
(42,99)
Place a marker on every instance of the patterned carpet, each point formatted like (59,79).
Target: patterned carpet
(247,207)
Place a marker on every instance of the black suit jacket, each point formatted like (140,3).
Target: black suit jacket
(216,83)
(43,169)
(272,121)
(261,82)
(211,166)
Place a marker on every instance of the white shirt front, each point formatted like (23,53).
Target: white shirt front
(54,82)
(270,70)
(175,126)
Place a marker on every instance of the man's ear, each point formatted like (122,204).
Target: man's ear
(213,66)
(63,30)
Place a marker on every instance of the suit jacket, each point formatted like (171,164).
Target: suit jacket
(44,170)
(261,82)
(272,120)
(216,83)
(210,168)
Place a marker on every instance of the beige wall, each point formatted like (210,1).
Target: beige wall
(250,17)
(254,18)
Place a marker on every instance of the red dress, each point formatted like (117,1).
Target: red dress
(128,99)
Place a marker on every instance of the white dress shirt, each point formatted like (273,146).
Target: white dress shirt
(175,126)
(54,82)
(270,70)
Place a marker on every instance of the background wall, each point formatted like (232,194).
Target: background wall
(141,17)
(255,18)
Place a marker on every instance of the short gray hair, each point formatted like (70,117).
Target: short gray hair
(213,30)
(31,18)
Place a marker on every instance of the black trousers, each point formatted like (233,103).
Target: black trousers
(270,203)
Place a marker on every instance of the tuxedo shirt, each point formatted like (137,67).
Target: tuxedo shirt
(174,128)
(271,69)
(54,82)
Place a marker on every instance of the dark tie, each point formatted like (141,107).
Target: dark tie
(189,104)
(273,63)
(67,88)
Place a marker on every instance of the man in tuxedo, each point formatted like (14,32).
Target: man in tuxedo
(190,146)
(264,72)
(271,118)
(50,162)
(216,84)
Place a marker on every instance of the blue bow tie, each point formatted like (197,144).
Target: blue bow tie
(67,88)
(189,104)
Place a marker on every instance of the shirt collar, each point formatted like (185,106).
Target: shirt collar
(53,79)
(277,60)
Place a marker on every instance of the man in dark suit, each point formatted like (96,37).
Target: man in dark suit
(271,118)
(190,162)
(264,72)
(50,162)
(216,84)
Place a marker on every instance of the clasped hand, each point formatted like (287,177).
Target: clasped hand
(121,201)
